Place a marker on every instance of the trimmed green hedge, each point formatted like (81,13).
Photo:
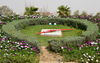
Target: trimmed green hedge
(12,29)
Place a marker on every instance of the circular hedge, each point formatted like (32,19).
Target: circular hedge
(12,29)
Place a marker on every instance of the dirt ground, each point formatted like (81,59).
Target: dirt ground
(50,57)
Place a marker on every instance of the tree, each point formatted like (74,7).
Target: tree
(76,13)
(84,13)
(98,14)
(30,10)
(4,10)
(64,11)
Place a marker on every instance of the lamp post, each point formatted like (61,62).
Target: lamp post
(58,60)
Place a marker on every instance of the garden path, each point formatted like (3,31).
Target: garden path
(50,57)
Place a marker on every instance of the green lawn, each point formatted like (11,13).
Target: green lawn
(32,30)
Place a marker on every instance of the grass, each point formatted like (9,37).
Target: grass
(32,30)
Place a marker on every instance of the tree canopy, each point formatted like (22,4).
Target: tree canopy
(64,11)
(30,10)
(4,10)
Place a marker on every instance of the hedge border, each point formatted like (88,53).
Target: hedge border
(12,29)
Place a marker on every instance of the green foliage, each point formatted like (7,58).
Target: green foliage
(25,25)
(5,10)
(32,30)
(13,29)
(76,26)
(84,13)
(32,58)
(30,11)
(55,45)
(79,32)
(76,13)
(72,40)
(86,53)
(64,11)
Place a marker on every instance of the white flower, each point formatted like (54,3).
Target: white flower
(92,59)
(82,60)
(87,62)
(18,43)
(22,46)
(5,49)
(96,60)
(97,48)
(86,53)
(15,42)
(80,48)
(92,42)
(88,59)
(1,46)
(94,56)
(61,47)
(19,48)
(6,54)
(89,56)
(25,48)
(8,41)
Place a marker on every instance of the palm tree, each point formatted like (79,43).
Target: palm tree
(64,11)
(30,10)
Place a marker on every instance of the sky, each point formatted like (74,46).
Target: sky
(18,6)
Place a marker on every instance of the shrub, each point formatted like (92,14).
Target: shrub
(55,45)
(79,32)
(12,29)
(72,40)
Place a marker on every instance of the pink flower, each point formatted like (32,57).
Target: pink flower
(96,45)
(6,38)
(64,47)
(34,48)
(21,43)
(77,44)
(11,47)
(13,42)
(0,22)
(71,48)
(37,51)
(68,49)
(4,22)
(19,49)
(91,45)
(14,55)
(28,45)
(14,49)
(97,51)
